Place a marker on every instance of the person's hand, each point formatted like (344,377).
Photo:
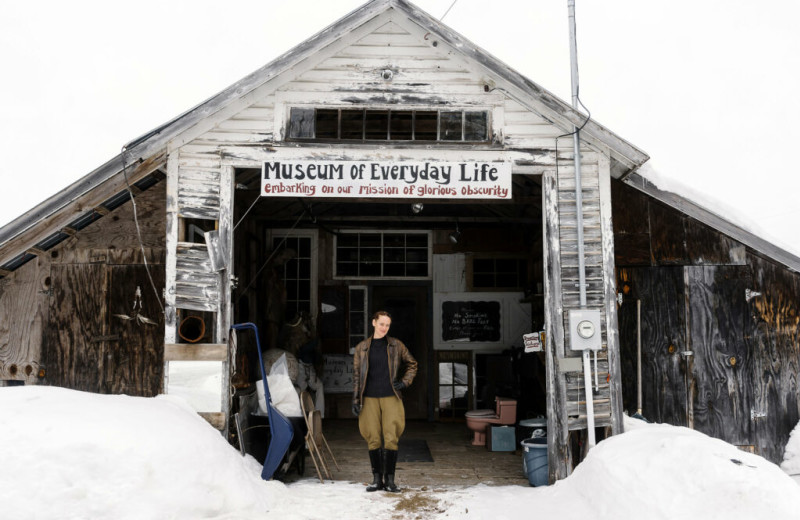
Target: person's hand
(356,408)
(399,385)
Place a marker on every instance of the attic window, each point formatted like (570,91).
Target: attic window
(360,125)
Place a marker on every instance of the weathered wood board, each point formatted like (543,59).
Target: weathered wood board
(663,331)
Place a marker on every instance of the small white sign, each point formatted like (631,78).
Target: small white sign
(387,179)
(532,342)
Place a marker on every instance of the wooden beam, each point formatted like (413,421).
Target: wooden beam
(558,448)
(36,251)
(195,352)
(215,419)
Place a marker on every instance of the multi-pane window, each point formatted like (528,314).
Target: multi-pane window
(453,384)
(357,124)
(499,273)
(358,315)
(382,254)
(296,274)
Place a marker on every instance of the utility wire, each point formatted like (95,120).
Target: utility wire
(138,229)
(448,10)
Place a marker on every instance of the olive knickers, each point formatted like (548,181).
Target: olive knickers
(382,417)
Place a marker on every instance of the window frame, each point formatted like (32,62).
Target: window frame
(486,111)
(427,234)
(272,234)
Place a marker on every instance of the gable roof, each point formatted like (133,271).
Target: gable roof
(44,226)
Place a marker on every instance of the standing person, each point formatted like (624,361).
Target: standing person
(377,401)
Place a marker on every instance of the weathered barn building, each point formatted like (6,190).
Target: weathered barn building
(387,162)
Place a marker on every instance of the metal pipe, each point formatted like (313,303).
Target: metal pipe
(587,367)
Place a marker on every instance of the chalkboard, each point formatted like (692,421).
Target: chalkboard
(471,321)
(337,375)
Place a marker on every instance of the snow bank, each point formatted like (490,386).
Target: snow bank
(68,454)
(791,457)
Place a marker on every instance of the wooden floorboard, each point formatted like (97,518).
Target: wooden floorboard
(455,461)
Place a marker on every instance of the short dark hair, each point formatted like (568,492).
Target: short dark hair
(378,314)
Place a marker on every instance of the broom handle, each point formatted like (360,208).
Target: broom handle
(639,356)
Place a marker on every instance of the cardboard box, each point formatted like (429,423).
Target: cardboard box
(501,438)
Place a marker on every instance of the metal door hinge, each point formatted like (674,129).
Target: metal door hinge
(756,415)
(749,295)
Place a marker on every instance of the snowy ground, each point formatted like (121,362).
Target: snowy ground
(74,455)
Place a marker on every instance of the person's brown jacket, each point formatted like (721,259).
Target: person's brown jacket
(397,352)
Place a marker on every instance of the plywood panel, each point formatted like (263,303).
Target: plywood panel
(135,359)
(663,330)
(24,311)
(73,351)
(721,385)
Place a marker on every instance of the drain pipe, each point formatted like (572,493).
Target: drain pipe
(587,363)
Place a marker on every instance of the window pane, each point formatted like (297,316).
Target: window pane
(357,299)
(425,126)
(445,373)
(445,397)
(394,240)
(377,125)
(347,240)
(394,270)
(370,240)
(301,123)
(346,269)
(327,124)
(460,373)
(401,126)
(394,255)
(459,391)
(475,126)
(450,126)
(416,269)
(417,240)
(371,269)
(352,124)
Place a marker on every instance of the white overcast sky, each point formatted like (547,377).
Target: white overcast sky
(708,88)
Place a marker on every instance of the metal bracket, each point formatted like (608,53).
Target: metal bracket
(619,298)
(687,353)
(749,295)
(756,415)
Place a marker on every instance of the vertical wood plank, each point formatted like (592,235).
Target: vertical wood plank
(610,293)
(558,448)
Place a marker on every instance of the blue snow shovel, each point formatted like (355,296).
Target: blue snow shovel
(281,431)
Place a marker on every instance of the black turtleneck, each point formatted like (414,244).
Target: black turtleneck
(378,384)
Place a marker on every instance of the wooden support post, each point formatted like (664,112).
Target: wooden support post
(558,449)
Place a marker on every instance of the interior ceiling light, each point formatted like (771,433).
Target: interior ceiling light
(455,235)
(416,208)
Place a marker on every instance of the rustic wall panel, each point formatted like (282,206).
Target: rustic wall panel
(721,384)
(773,328)
(663,326)
(73,351)
(24,311)
(135,355)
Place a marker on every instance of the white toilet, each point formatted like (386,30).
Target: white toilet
(505,413)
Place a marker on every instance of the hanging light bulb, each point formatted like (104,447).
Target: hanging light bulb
(455,235)
(417,207)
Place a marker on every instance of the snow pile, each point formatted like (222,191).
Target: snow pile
(791,457)
(75,455)
(652,471)
(68,454)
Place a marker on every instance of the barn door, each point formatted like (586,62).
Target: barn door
(75,336)
(720,383)
(663,331)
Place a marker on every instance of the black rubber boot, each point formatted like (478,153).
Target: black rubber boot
(375,460)
(389,463)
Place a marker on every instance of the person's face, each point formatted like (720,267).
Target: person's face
(381,326)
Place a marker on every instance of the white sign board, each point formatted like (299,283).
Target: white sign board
(387,179)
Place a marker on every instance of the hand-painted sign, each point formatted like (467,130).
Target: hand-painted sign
(387,179)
